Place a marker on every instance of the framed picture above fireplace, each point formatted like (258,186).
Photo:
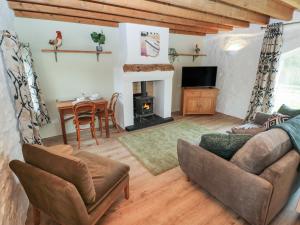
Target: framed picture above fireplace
(150,44)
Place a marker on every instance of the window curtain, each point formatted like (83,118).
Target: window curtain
(263,92)
(22,82)
(39,106)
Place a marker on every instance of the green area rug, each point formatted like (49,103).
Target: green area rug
(156,148)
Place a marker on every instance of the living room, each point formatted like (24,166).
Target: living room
(149,112)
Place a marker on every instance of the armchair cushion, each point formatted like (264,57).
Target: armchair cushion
(67,167)
(106,175)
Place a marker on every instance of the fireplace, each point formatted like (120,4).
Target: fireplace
(136,108)
(142,103)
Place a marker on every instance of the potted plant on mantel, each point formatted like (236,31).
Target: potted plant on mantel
(98,38)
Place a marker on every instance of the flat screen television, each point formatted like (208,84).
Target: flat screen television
(202,76)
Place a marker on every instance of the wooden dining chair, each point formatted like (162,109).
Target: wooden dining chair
(111,112)
(84,114)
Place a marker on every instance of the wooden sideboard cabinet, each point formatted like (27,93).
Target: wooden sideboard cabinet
(199,100)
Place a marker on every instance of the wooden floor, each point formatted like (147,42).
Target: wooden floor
(167,199)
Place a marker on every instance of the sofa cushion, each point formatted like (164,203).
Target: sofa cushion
(223,145)
(261,118)
(275,119)
(262,150)
(248,128)
(67,167)
(106,175)
(285,110)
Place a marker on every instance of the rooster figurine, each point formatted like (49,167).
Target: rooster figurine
(56,43)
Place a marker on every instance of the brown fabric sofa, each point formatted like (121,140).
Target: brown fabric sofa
(256,183)
(72,189)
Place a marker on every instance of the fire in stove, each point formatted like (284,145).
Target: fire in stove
(146,106)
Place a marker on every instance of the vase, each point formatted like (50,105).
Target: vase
(99,48)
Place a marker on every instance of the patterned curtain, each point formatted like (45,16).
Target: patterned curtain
(39,106)
(263,91)
(19,84)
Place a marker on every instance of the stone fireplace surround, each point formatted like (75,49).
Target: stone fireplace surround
(132,67)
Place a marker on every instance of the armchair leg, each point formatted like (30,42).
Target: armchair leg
(126,191)
(36,216)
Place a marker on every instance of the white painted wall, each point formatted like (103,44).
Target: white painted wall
(237,70)
(183,44)
(13,201)
(75,73)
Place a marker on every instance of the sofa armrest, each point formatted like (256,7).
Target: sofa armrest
(261,118)
(247,194)
(282,175)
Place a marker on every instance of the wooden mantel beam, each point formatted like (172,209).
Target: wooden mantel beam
(292,3)
(115,10)
(267,7)
(174,11)
(101,16)
(219,9)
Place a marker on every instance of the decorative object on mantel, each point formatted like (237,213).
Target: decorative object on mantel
(173,54)
(56,43)
(77,51)
(98,38)
(147,67)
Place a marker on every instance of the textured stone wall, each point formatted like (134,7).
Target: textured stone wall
(13,201)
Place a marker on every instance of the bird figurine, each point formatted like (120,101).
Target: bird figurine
(56,43)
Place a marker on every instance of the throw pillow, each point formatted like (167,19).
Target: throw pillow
(275,119)
(285,110)
(248,128)
(223,145)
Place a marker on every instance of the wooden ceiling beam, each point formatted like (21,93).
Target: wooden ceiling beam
(47,16)
(187,32)
(219,9)
(109,9)
(101,16)
(53,17)
(174,11)
(267,7)
(292,3)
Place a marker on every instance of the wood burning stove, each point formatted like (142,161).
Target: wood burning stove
(143,104)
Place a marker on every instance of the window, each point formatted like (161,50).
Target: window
(287,90)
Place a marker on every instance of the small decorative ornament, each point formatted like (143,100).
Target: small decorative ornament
(172,54)
(98,38)
(56,43)
(197,52)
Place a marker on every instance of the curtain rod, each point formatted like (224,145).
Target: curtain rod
(285,24)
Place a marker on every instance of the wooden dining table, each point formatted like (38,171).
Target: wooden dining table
(65,109)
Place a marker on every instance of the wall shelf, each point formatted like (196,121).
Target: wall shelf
(75,51)
(186,54)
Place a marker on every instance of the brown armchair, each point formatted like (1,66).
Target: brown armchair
(71,189)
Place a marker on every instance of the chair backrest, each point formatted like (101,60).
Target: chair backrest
(51,194)
(84,108)
(113,100)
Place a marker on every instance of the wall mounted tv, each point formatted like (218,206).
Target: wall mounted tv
(202,76)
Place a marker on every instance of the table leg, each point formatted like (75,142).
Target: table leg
(106,122)
(63,127)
